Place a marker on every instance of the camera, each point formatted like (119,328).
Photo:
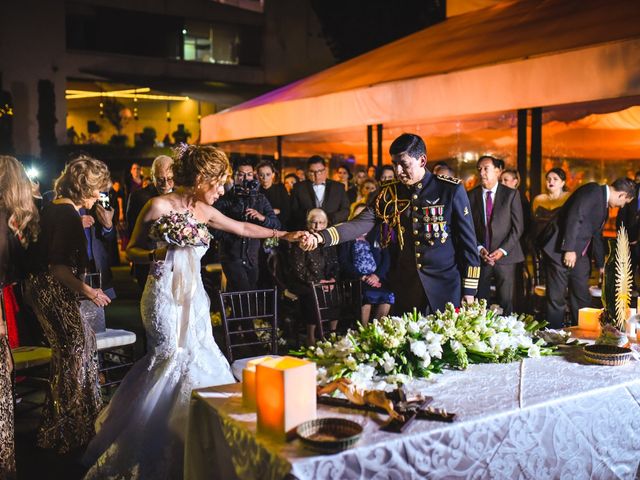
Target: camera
(103,200)
(246,188)
(32,173)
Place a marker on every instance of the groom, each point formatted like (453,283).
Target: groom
(435,255)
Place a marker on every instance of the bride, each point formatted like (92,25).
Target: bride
(141,433)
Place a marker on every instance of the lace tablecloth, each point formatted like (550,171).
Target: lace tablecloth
(552,417)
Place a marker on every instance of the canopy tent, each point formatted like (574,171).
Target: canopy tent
(519,54)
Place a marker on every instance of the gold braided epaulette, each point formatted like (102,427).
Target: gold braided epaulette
(388,208)
(447,178)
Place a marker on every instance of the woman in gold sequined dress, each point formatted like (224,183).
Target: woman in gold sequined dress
(18,227)
(73,401)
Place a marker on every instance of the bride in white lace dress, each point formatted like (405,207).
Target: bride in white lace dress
(142,431)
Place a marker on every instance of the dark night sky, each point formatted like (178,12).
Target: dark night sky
(353,27)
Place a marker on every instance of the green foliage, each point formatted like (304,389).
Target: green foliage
(394,349)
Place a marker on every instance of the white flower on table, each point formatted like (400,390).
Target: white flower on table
(363,374)
(456,346)
(413,328)
(479,346)
(534,351)
(499,342)
(419,349)
(351,363)
(321,376)
(387,362)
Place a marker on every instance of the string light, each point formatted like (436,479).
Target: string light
(168,112)
(135,93)
(135,108)
(6,110)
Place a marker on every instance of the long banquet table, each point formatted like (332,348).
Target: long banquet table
(552,417)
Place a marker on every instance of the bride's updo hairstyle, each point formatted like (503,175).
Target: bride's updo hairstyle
(191,161)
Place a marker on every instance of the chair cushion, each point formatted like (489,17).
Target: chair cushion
(27,357)
(238,365)
(112,338)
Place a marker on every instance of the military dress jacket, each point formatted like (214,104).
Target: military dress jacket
(435,238)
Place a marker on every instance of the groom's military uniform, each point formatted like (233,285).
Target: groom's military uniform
(429,228)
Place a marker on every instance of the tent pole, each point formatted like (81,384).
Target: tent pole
(379,128)
(369,145)
(536,151)
(279,152)
(522,151)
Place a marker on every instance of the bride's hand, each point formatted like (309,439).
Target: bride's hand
(294,236)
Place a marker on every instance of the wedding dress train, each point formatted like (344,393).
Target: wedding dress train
(141,433)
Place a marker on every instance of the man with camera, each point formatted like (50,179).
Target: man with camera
(239,255)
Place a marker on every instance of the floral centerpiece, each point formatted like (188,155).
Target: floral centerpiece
(180,229)
(393,350)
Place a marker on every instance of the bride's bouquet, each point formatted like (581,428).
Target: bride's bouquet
(180,229)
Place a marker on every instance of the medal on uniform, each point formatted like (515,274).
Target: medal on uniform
(436,229)
(427,227)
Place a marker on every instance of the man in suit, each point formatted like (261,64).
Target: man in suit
(629,216)
(498,220)
(161,183)
(434,256)
(319,192)
(99,231)
(566,241)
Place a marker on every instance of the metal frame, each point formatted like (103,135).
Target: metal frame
(338,300)
(239,309)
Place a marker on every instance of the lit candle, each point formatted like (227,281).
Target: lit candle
(285,394)
(249,382)
(589,319)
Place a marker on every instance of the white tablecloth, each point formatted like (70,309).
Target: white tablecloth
(552,417)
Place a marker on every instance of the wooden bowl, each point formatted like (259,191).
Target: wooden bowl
(329,435)
(607,355)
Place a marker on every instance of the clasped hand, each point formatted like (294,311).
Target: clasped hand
(490,258)
(308,241)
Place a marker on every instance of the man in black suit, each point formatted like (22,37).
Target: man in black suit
(498,221)
(566,241)
(161,183)
(319,192)
(99,231)
(629,216)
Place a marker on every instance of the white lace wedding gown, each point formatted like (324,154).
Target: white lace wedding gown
(141,433)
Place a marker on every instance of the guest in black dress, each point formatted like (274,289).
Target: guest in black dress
(276,193)
(313,266)
(18,227)
(73,402)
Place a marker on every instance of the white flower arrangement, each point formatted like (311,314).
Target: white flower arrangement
(392,350)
